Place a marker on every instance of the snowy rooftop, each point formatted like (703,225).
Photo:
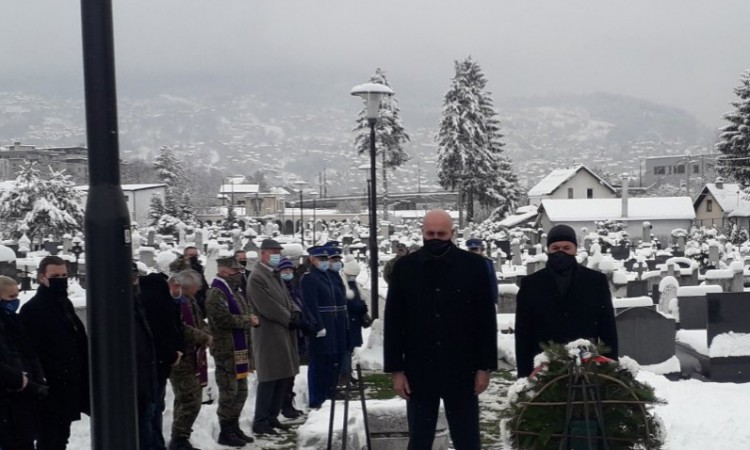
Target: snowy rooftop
(518,218)
(729,196)
(656,208)
(129,187)
(239,188)
(557,177)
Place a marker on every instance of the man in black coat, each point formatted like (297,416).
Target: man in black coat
(562,302)
(163,316)
(21,377)
(440,335)
(59,339)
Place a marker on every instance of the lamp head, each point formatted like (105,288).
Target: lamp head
(373,94)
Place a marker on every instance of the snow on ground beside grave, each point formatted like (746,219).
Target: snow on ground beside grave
(730,344)
(696,339)
(507,288)
(672,365)
(370,355)
(719,274)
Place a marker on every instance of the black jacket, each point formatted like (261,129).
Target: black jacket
(145,357)
(16,357)
(59,339)
(440,316)
(163,316)
(543,315)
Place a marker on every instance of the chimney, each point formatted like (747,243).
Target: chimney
(624,195)
(719,183)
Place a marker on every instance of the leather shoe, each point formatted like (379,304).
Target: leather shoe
(274,423)
(264,428)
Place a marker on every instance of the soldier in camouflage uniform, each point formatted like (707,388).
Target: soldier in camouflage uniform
(230,320)
(189,376)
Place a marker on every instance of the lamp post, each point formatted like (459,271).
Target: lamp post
(300,187)
(373,94)
(77,250)
(314,195)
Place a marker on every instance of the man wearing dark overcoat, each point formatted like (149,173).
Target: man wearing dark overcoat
(440,335)
(275,341)
(562,302)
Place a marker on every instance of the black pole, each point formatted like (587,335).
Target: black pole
(374,299)
(301,220)
(108,251)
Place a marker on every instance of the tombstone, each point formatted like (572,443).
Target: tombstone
(67,243)
(637,288)
(136,241)
(629,265)
(693,308)
(532,250)
(146,256)
(728,328)
(663,294)
(52,247)
(515,250)
(236,234)
(8,262)
(504,246)
(660,259)
(151,238)
(646,232)
(645,335)
(621,252)
(720,277)
(651,264)
(507,294)
(199,240)
(713,254)
(389,429)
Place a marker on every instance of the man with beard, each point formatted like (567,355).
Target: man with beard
(230,320)
(191,254)
(562,302)
(440,335)
(59,339)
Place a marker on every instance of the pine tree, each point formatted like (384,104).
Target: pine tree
(187,213)
(169,169)
(40,207)
(172,202)
(390,135)
(734,140)
(470,153)
(155,209)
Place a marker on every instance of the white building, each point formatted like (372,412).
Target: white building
(137,198)
(576,182)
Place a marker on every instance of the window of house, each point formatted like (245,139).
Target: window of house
(589,193)
(127,198)
(709,205)
(659,170)
(570,192)
(696,168)
(679,169)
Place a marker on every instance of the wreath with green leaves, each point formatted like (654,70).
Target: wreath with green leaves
(578,399)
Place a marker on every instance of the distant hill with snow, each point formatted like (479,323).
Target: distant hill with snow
(285,134)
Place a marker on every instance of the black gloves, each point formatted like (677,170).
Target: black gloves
(295,322)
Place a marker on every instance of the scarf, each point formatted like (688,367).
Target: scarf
(241,356)
(201,363)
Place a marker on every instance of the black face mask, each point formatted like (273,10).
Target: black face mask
(243,262)
(58,285)
(560,261)
(437,247)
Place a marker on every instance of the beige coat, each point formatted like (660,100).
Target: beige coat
(274,344)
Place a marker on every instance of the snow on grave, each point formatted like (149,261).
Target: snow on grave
(728,336)
(8,262)
(507,300)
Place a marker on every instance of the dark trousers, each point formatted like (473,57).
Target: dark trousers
(52,434)
(269,398)
(157,420)
(322,375)
(146,432)
(461,410)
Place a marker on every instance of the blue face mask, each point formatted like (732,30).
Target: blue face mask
(323,265)
(274,260)
(287,276)
(336,266)
(10,306)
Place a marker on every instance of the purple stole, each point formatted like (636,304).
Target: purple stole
(201,366)
(241,356)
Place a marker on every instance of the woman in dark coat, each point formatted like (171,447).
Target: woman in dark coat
(356,307)
(21,379)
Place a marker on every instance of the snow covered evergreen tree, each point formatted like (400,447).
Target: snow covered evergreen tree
(177,205)
(187,213)
(734,140)
(170,169)
(155,209)
(470,153)
(390,135)
(39,206)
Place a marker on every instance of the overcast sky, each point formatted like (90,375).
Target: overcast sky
(684,53)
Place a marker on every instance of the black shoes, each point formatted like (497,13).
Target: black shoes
(228,436)
(291,412)
(181,443)
(264,429)
(274,423)
(241,434)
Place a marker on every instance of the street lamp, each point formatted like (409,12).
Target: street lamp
(314,195)
(300,186)
(373,94)
(77,249)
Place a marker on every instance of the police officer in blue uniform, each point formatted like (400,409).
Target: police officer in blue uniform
(477,246)
(323,294)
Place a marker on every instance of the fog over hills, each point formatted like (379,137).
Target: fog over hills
(300,131)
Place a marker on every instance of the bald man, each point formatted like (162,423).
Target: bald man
(440,335)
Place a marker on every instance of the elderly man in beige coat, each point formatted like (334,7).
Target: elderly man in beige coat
(274,342)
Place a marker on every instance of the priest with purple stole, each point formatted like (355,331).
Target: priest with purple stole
(230,320)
